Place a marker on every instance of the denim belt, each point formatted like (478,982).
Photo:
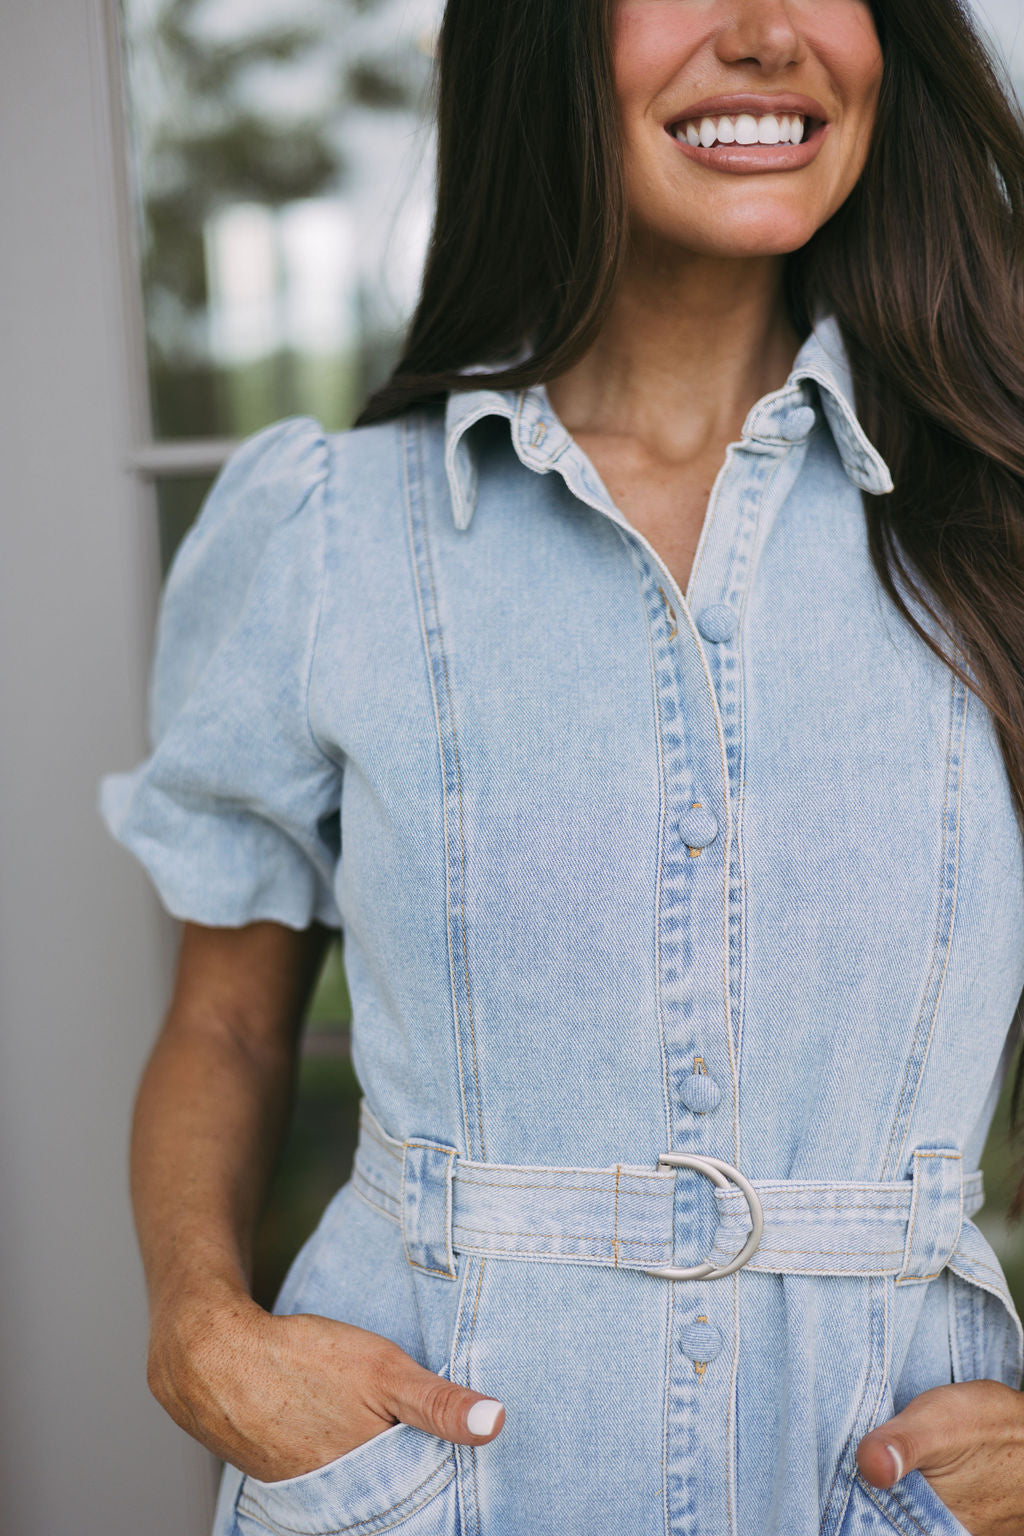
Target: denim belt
(623,1216)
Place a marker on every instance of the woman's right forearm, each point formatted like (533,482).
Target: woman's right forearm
(213,1104)
(208,1119)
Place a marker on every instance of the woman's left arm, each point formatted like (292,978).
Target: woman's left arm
(967,1441)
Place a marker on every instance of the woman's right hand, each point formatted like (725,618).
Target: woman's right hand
(280,1396)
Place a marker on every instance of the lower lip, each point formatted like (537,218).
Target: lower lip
(754,159)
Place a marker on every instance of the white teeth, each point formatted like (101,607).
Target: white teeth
(772,128)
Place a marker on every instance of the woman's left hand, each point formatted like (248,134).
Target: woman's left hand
(967,1441)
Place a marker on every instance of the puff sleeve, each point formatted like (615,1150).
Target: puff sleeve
(235,814)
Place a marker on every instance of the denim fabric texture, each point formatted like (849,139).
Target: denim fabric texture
(621,870)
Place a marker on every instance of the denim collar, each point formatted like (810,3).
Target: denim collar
(540,440)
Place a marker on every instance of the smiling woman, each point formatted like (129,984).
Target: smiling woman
(638,685)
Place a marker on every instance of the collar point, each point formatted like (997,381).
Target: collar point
(873,477)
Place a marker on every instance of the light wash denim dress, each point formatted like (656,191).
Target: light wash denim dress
(730,874)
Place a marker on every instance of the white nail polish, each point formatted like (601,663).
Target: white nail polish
(897,1458)
(483,1416)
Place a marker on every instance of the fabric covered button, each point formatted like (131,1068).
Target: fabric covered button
(701,1340)
(717,622)
(797,424)
(698,827)
(700,1092)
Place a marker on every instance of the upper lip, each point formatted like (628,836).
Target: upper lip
(759,104)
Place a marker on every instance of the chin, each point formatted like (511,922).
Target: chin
(766,232)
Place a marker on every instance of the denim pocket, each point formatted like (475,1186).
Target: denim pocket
(353,1268)
(912,1507)
(402,1477)
(984,1342)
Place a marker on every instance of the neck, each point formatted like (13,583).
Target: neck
(690,344)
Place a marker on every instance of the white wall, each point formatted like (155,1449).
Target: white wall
(85,952)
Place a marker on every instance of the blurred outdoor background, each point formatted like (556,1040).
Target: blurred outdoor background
(214,216)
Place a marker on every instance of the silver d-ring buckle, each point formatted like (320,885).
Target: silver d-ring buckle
(721,1174)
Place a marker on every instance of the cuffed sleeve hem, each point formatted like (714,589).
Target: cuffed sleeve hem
(261,879)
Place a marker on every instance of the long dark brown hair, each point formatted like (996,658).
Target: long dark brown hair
(923,267)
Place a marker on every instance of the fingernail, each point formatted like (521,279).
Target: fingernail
(897,1458)
(483,1416)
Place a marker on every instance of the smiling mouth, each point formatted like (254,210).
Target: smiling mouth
(746,128)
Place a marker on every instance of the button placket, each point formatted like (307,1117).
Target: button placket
(758,477)
(765,466)
(690,934)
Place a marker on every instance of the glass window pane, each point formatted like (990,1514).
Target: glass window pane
(283,168)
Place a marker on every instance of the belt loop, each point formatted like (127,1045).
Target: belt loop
(427,1170)
(936,1213)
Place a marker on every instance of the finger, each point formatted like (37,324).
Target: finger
(925,1434)
(418,1397)
(882,1463)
